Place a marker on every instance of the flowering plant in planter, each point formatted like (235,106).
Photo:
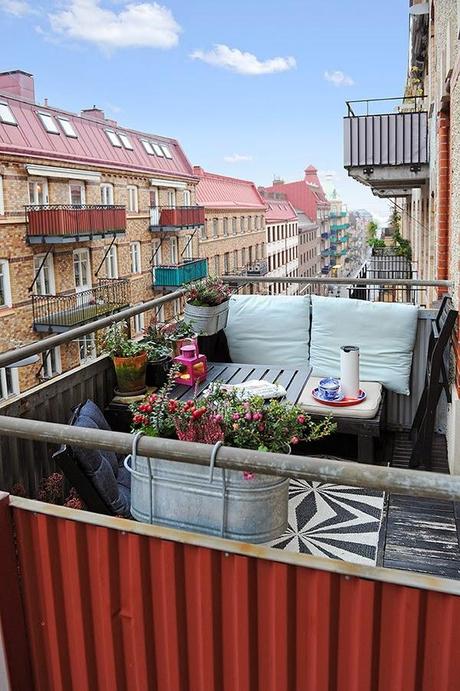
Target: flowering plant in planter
(206,305)
(208,293)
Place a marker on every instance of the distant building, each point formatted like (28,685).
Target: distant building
(309,246)
(282,241)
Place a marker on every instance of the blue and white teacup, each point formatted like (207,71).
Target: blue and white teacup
(329,388)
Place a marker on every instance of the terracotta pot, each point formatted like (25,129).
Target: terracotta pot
(130,373)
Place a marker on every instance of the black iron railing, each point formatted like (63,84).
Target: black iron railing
(58,313)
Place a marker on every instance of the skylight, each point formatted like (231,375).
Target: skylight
(147,146)
(6,115)
(125,141)
(166,151)
(113,137)
(67,127)
(48,123)
(157,149)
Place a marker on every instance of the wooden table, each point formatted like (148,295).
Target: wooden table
(293,379)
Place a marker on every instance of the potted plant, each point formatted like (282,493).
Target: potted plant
(159,356)
(129,359)
(206,305)
(178,333)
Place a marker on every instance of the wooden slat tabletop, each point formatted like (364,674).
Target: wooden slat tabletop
(293,379)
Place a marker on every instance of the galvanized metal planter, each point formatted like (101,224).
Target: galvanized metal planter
(180,495)
(207,320)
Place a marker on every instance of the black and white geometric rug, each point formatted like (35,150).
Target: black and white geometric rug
(334,521)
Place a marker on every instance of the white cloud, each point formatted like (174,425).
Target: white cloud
(338,78)
(242,63)
(235,158)
(18,8)
(144,24)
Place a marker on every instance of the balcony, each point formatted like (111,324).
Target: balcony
(60,223)
(325,269)
(176,275)
(387,151)
(339,226)
(171,218)
(337,214)
(324,236)
(259,268)
(59,313)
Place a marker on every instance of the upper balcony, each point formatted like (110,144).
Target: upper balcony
(176,275)
(59,313)
(337,214)
(59,223)
(173,218)
(387,151)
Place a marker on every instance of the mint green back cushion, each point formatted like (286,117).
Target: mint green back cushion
(269,330)
(384,332)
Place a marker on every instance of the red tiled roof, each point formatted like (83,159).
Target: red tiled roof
(279,210)
(221,192)
(92,147)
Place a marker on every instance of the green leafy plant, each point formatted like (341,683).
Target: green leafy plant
(117,343)
(175,331)
(208,293)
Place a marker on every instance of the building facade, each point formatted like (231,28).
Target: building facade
(233,236)
(282,241)
(93,217)
(309,246)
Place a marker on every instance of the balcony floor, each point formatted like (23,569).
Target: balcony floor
(69,319)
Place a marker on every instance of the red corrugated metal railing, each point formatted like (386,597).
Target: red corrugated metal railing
(67,220)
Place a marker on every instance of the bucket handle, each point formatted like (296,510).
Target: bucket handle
(212,462)
(132,457)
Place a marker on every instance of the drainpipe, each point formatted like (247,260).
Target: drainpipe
(443,197)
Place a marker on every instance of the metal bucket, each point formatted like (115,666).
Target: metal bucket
(207,320)
(181,495)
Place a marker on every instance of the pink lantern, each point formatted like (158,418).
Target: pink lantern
(193,366)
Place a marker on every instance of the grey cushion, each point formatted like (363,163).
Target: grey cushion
(111,480)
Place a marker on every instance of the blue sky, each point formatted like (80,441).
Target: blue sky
(250,89)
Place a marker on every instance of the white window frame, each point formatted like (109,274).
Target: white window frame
(172,199)
(225,226)
(81,185)
(51,369)
(107,194)
(125,140)
(35,182)
(215,227)
(156,257)
(166,151)
(111,263)
(188,247)
(82,254)
(187,198)
(113,138)
(87,350)
(9,383)
(39,286)
(148,147)
(48,123)
(157,149)
(6,114)
(173,251)
(139,322)
(133,199)
(67,127)
(135,254)
(5,279)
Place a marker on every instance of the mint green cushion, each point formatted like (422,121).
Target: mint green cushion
(269,330)
(384,332)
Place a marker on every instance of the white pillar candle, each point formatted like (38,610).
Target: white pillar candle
(349,371)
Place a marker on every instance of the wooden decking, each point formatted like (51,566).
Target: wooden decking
(420,534)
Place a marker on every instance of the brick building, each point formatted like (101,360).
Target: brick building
(233,236)
(282,240)
(86,209)
(309,246)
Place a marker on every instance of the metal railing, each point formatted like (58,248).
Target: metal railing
(176,217)
(366,104)
(176,275)
(62,312)
(49,221)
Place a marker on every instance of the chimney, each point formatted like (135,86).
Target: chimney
(278,181)
(198,170)
(94,113)
(310,174)
(18,83)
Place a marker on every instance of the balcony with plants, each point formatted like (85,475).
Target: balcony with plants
(62,223)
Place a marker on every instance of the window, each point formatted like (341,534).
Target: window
(81,270)
(9,382)
(156,256)
(226,263)
(166,151)
(48,123)
(235,259)
(6,115)
(5,288)
(234,228)
(77,193)
(44,284)
(107,194)
(135,249)
(157,149)
(172,198)
(217,265)
(243,256)
(132,199)
(173,250)
(111,263)
(38,191)
(147,146)
(242,224)
(187,199)
(139,322)
(51,362)
(67,127)
(188,247)
(125,140)
(215,227)
(87,348)
(225,226)
(2,204)
(113,138)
